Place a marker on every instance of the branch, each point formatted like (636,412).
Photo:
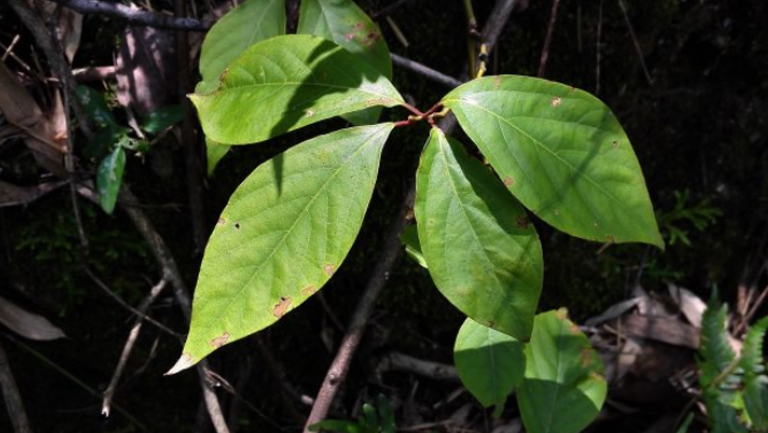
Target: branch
(12,397)
(56,59)
(548,39)
(136,16)
(139,312)
(109,393)
(430,369)
(390,252)
(170,272)
(426,71)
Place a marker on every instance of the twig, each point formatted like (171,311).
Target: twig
(55,57)
(426,71)
(13,402)
(136,16)
(74,379)
(336,374)
(95,73)
(50,43)
(109,393)
(192,160)
(390,252)
(140,314)
(636,43)
(278,372)
(753,310)
(430,369)
(548,38)
(472,38)
(170,272)
(598,47)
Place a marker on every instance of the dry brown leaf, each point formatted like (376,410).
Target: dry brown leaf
(690,305)
(14,195)
(21,110)
(70,25)
(664,329)
(27,324)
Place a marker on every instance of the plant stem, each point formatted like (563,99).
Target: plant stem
(412,109)
(472,34)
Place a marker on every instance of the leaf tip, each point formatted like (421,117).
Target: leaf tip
(183,363)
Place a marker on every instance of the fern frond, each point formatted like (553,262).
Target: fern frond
(755,379)
(716,354)
(720,386)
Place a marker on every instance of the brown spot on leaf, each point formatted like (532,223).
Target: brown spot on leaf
(610,239)
(586,357)
(237,226)
(370,39)
(359,26)
(562,313)
(491,324)
(497,82)
(522,221)
(615,144)
(282,306)
(220,340)
(508,181)
(222,221)
(349,36)
(556,101)
(308,291)
(329,269)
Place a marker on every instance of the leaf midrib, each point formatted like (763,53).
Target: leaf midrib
(301,214)
(541,145)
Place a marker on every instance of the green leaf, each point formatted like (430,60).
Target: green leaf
(370,418)
(482,251)
(490,363)
(344,23)
(108,132)
(564,388)
(686,424)
(162,118)
(284,232)
(755,379)
(410,238)
(215,151)
(386,413)
(251,22)
(337,425)
(96,107)
(109,178)
(562,153)
(285,83)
